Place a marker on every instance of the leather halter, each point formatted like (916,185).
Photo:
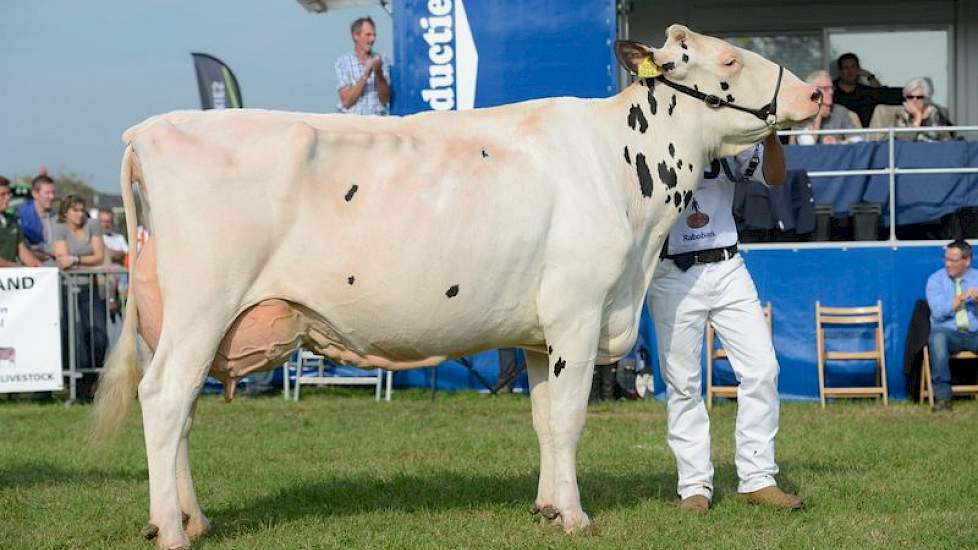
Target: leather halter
(767,113)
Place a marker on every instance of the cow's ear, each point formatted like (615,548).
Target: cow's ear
(636,58)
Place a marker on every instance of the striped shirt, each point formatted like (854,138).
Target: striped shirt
(348,72)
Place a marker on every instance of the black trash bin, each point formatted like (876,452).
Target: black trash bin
(823,222)
(968,216)
(864,218)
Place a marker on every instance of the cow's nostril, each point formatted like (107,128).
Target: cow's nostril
(817,96)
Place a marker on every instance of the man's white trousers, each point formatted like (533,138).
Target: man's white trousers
(722,293)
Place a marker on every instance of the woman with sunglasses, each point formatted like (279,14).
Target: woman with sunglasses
(77,244)
(917,111)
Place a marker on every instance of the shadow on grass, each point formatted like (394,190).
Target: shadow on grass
(436,492)
(28,474)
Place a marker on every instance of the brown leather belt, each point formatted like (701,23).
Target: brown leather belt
(708,256)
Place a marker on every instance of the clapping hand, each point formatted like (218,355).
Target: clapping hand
(970,294)
(374,64)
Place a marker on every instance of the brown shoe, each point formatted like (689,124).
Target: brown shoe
(696,504)
(774,497)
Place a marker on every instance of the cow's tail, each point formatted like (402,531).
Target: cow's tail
(121,373)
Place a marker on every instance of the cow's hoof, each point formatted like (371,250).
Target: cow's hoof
(150,531)
(577,524)
(534,510)
(550,512)
(176,545)
(197,527)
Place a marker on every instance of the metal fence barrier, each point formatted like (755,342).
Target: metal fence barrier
(92,305)
(892,170)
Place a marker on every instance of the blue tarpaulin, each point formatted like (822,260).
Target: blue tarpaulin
(920,197)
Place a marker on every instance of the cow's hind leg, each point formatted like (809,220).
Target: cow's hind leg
(195,522)
(536,367)
(167,393)
(573,336)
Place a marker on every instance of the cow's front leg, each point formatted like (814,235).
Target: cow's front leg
(570,368)
(537,367)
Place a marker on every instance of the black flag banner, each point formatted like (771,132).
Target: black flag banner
(218,87)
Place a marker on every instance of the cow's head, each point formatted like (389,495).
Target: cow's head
(747,94)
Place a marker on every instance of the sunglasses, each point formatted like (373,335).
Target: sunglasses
(921,97)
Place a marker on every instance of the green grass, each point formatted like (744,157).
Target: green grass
(338,470)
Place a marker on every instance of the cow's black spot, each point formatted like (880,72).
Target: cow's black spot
(550,349)
(730,98)
(687,196)
(452,291)
(653,104)
(677,199)
(485,154)
(685,58)
(679,164)
(350,279)
(672,150)
(668,66)
(559,366)
(351,192)
(672,104)
(628,158)
(691,167)
(636,116)
(695,87)
(724,86)
(668,199)
(644,176)
(667,174)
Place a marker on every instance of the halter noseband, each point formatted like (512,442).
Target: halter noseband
(767,113)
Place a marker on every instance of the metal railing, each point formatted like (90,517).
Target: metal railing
(92,305)
(892,170)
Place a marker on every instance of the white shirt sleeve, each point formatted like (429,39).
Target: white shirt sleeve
(749,164)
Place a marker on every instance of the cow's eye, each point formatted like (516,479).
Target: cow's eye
(730,62)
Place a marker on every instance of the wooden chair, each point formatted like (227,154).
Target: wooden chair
(869,315)
(927,386)
(714,352)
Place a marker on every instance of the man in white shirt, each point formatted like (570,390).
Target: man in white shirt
(115,243)
(701,279)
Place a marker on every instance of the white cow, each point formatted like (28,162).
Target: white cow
(400,242)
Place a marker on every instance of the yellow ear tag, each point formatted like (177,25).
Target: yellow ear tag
(648,69)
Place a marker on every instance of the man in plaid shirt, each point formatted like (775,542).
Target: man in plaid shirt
(363,76)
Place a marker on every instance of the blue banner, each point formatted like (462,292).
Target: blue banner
(460,54)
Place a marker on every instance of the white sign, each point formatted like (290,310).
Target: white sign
(30,330)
